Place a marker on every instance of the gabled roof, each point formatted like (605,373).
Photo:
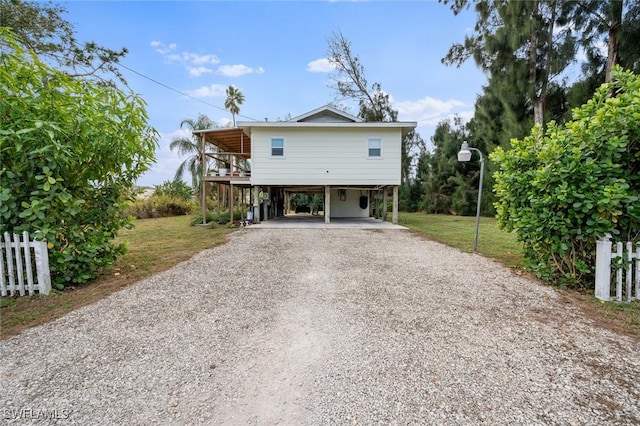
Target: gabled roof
(326,117)
(326,114)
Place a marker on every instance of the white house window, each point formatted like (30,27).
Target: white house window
(375,147)
(277,147)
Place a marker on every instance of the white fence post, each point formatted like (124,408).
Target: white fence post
(3,284)
(27,261)
(603,268)
(42,266)
(627,276)
(16,265)
(618,254)
(638,271)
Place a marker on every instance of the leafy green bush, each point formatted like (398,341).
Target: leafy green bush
(562,189)
(71,150)
(175,189)
(160,206)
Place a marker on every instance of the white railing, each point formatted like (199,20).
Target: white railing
(621,261)
(18,259)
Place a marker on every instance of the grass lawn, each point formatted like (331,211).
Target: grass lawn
(458,232)
(154,246)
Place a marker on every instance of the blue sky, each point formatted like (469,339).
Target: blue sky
(275,53)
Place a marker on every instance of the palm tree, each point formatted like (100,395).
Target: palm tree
(235,98)
(193,148)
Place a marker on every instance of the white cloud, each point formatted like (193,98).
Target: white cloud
(238,70)
(176,134)
(320,65)
(190,58)
(193,62)
(430,111)
(208,91)
(198,59)
(198,71)
(162,48)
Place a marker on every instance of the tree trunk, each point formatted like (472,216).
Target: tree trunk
(538,101)
(613,43)
(541,101)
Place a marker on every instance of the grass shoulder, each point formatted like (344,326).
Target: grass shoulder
(155,245)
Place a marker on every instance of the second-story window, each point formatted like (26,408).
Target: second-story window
(375,147)
(277,147)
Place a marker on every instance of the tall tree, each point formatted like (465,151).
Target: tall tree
(235,98)
(40,28)
(351,82)
(191,147)
(510,35)
(598,22)
(413,147)
(374,103)
(452,186)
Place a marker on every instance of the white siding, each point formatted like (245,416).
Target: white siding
(350,207)
(325,156)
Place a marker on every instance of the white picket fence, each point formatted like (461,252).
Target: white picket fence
(18,259)
(621,261)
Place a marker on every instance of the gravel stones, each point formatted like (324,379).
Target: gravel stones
(335,326)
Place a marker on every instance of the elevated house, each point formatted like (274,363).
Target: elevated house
(326,151)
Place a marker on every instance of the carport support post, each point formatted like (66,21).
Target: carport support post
(394,216)
(256,204)
(231,197)
(203,195)
(384,203)
(286,203)
(327,204)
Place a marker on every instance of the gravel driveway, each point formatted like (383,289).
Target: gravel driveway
(324,327)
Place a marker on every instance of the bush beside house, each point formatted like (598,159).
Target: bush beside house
(562,188)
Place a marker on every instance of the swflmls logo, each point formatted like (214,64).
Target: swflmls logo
(31,414)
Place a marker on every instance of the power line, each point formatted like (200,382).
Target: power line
(166,86)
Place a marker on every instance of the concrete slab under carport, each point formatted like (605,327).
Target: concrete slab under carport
(307,221)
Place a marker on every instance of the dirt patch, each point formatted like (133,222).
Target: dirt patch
(620,318)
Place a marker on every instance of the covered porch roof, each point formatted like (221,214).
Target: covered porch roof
(229,140)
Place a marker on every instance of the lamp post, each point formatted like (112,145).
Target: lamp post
(464,155)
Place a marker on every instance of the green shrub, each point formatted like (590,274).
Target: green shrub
(160,206)
(71,151)
(562,189)
(175,189)
(217,217)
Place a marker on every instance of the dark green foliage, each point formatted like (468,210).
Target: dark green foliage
(410,196)
(71,151)
(451,187)
(216,217)
(315,201)
(562,189)
(519,38)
